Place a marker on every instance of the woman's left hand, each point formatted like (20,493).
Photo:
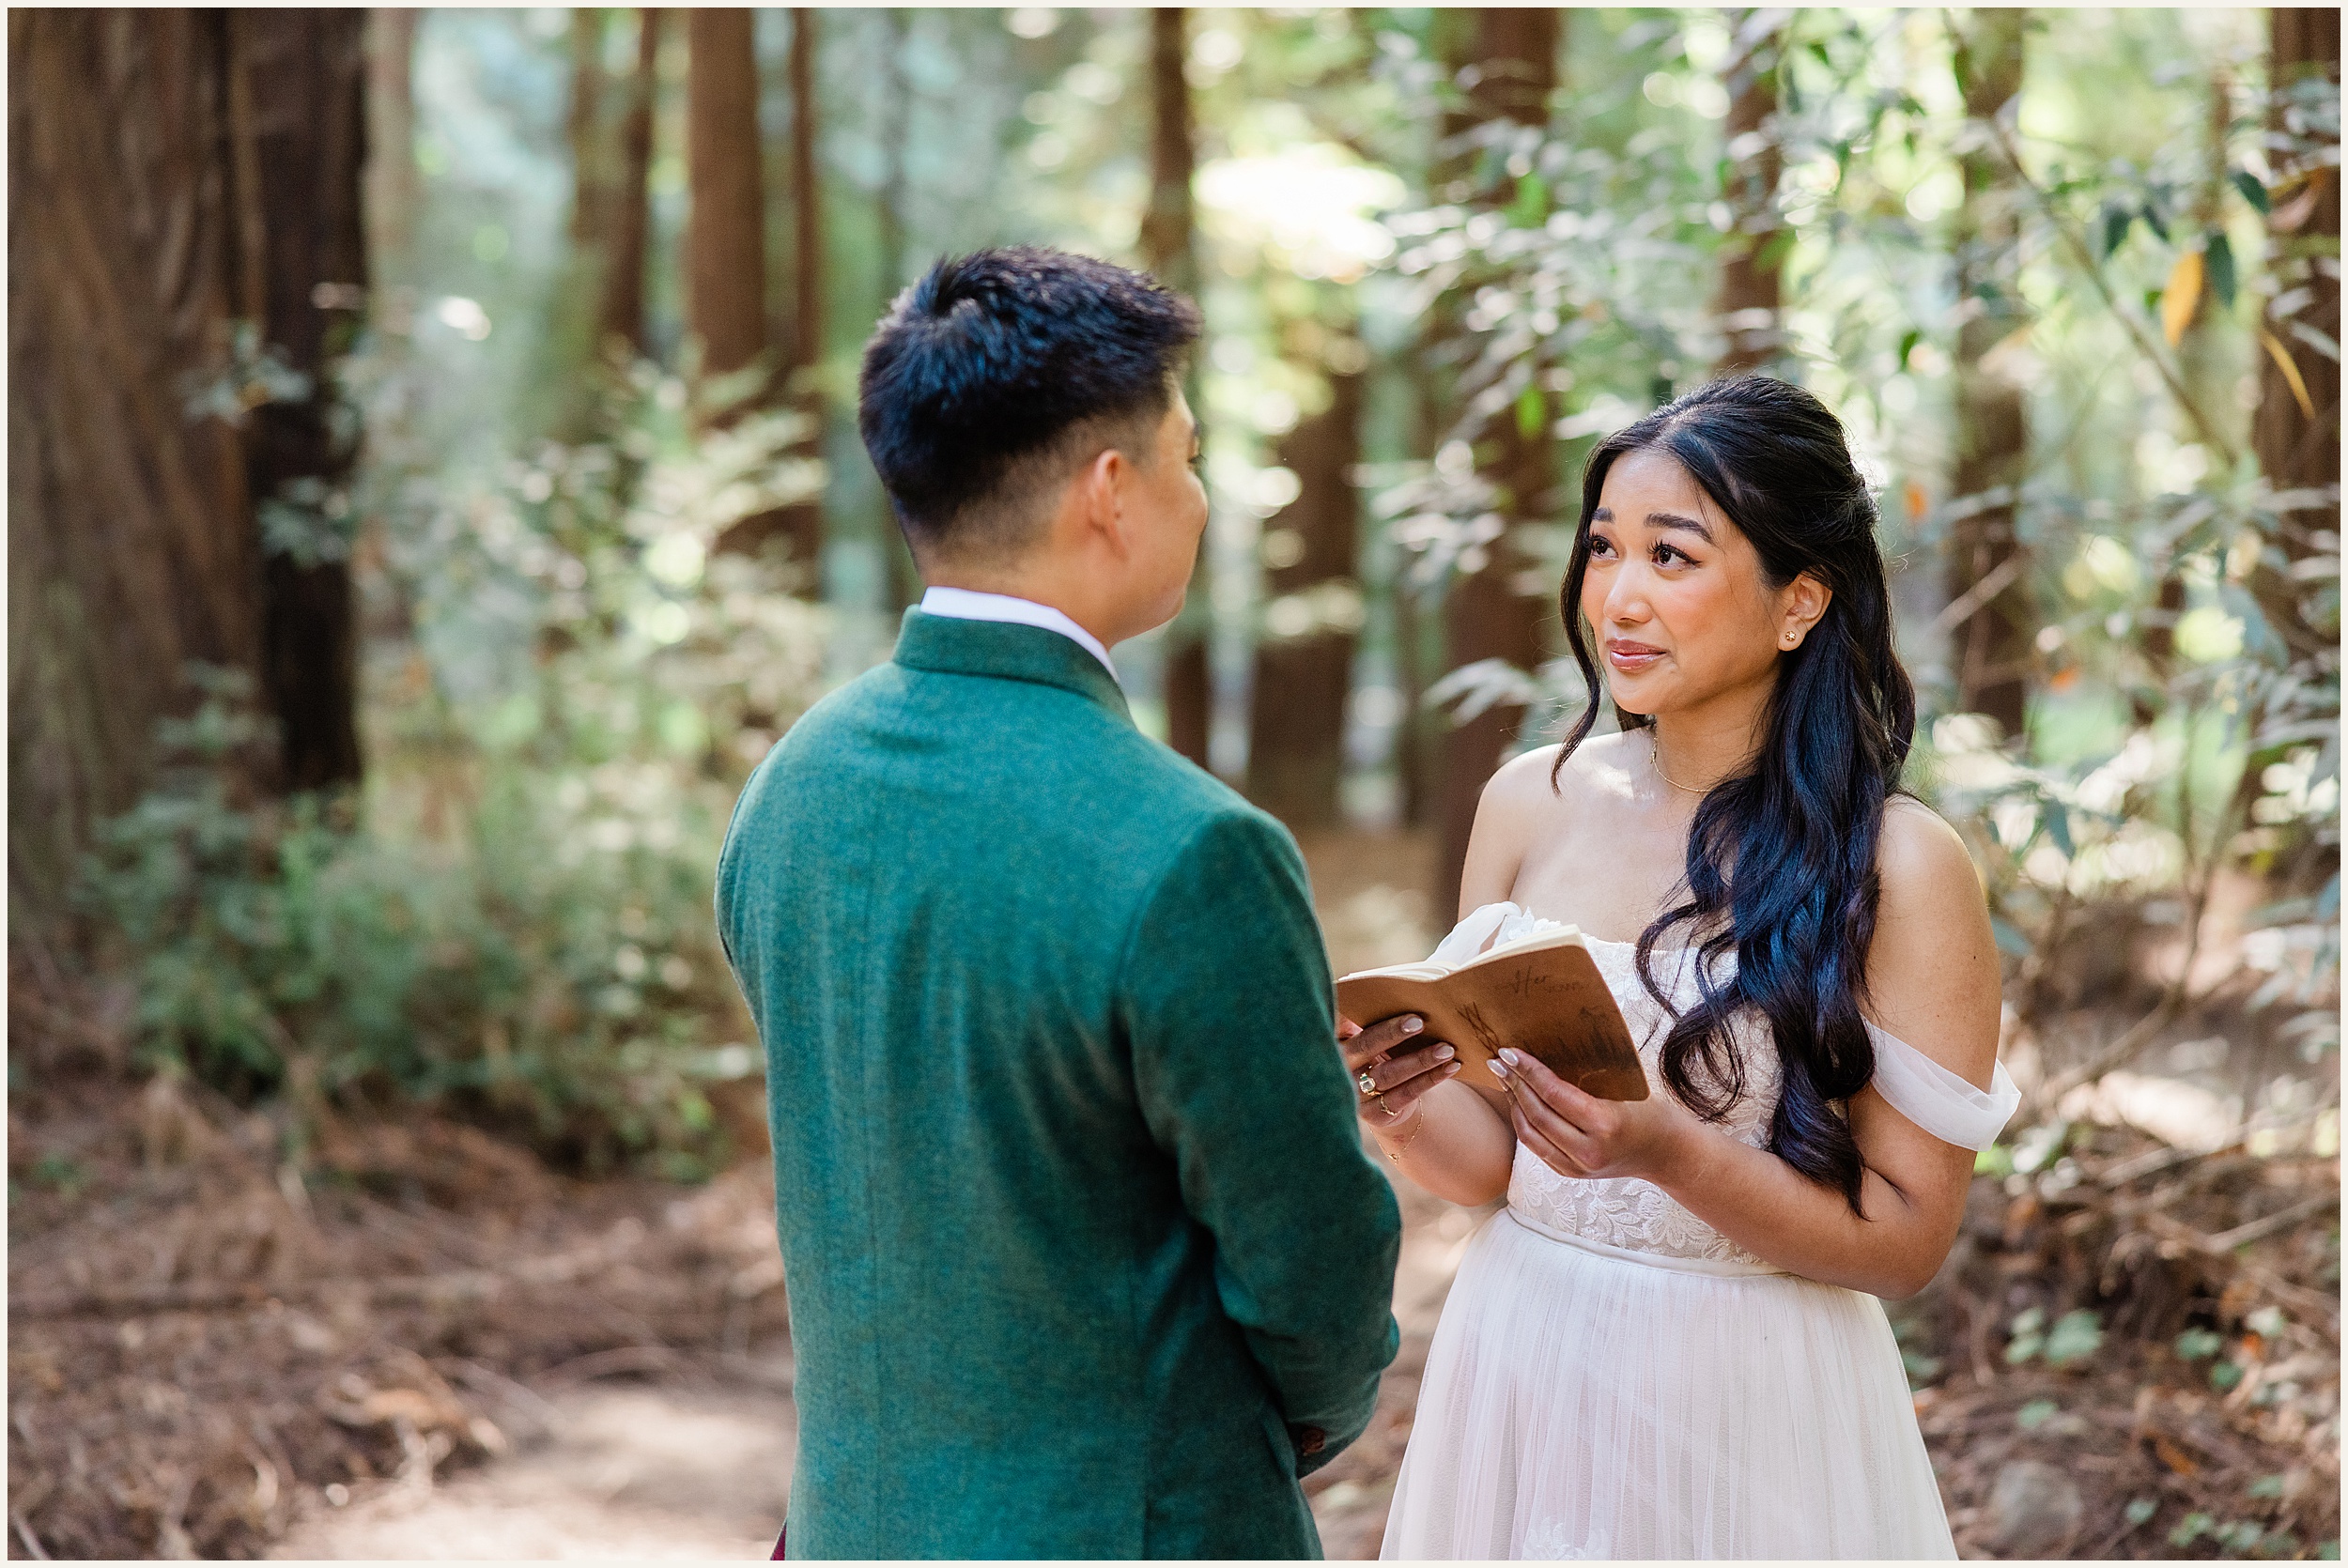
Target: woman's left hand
(1578,1134)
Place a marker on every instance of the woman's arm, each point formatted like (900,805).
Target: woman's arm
(1453,1140)
(1932,982)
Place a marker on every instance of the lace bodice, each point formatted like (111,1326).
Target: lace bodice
(1626,1212)
(1640,1216)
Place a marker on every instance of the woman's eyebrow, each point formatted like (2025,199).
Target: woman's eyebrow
(1673,520)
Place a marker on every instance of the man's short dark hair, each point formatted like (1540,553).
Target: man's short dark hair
(988,377)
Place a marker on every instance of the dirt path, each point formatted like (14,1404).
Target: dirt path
(699,1466)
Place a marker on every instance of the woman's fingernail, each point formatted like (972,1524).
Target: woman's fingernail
(1443,1054)
(1501,1069)
(1452,1068)
(1508,1056)
(1412,1025)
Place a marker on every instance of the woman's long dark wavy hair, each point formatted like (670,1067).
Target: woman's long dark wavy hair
(1800,827)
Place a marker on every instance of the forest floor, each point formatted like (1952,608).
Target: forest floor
(424,1344)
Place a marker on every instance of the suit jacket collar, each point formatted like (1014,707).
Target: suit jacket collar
(1006,651)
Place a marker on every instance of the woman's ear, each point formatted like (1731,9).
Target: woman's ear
(1799,607)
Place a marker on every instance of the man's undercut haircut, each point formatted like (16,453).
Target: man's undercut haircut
(1000,370)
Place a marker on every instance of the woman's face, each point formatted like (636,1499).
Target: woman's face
(1676,594)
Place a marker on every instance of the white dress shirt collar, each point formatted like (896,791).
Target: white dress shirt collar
(963,603)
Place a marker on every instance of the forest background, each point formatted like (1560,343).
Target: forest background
(434,484)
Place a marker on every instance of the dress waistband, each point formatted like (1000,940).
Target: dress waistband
(1714,1265)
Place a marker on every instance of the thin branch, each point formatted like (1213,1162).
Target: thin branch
(2086,259)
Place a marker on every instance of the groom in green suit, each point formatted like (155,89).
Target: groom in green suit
(1085,1257)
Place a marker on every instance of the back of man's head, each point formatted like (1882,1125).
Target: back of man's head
(997,372)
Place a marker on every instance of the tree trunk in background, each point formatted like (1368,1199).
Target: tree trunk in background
(591,175)
(1305,653)
(393,190)
(1492,615)
(801,527)
(130,544)
(1748,302)
(622,317)
(902,578)
(1168,251)
(297,117)
(155,200)
(2299,444)
(1990,649)
(726,236)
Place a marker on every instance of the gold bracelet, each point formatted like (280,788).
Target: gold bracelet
(1395,1152)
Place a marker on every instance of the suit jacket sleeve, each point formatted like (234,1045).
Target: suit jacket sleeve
(1229,1009)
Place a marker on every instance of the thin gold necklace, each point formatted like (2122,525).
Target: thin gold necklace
(1655,755)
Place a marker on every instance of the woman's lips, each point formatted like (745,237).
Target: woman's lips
(1632,657)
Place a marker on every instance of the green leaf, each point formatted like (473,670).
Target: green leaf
(1908,340)
(2116,222)
(1530,209)
(1774,250)
(2252,191)
(2059,829)
(1532,412)
(1995,1160)
(2194,1343)
(2154,221)
(2268,1487)
(2224,1375)
(2076,1337)
(2140,1509)
(2009,937)
(2036,1414)
(2190,1529)
(2220,259)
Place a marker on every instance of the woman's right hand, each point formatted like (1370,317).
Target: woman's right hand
(1393,1065)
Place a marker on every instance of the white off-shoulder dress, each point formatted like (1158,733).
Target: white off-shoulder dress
(1615,1378)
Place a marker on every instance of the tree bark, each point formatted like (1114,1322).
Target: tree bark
(1296,746)
(1991,649)
(801,527)
(298,120)
(2299,444)
(393,190)
(620,325)
(1748,302)
(1497,613)
(726,261)
(591,175)
(1169,251)
(156,200)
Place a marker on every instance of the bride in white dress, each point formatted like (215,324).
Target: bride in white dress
(1669,1343)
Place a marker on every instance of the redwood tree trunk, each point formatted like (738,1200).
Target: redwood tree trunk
(156,198)
(1168,249)
(393,190)
(1747,303)
(1992,647)
(800,528)
(2298,443)
(726,243)
(621,322)
(1491,615)
(298,134)
(1304,672)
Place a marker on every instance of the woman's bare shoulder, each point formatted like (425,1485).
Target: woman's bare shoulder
(1932,969)
(1922,863)
(1534,779)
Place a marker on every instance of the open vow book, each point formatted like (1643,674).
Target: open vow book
(1542,994)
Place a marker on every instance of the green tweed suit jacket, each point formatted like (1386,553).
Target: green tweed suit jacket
(1085,1257)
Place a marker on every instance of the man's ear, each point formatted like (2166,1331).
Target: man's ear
(1102,485)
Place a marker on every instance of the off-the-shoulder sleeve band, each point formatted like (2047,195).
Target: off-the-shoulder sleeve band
(1939,1100)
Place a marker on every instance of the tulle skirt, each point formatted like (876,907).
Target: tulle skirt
(1581,1401)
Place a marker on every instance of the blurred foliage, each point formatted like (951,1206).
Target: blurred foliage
(514,920)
